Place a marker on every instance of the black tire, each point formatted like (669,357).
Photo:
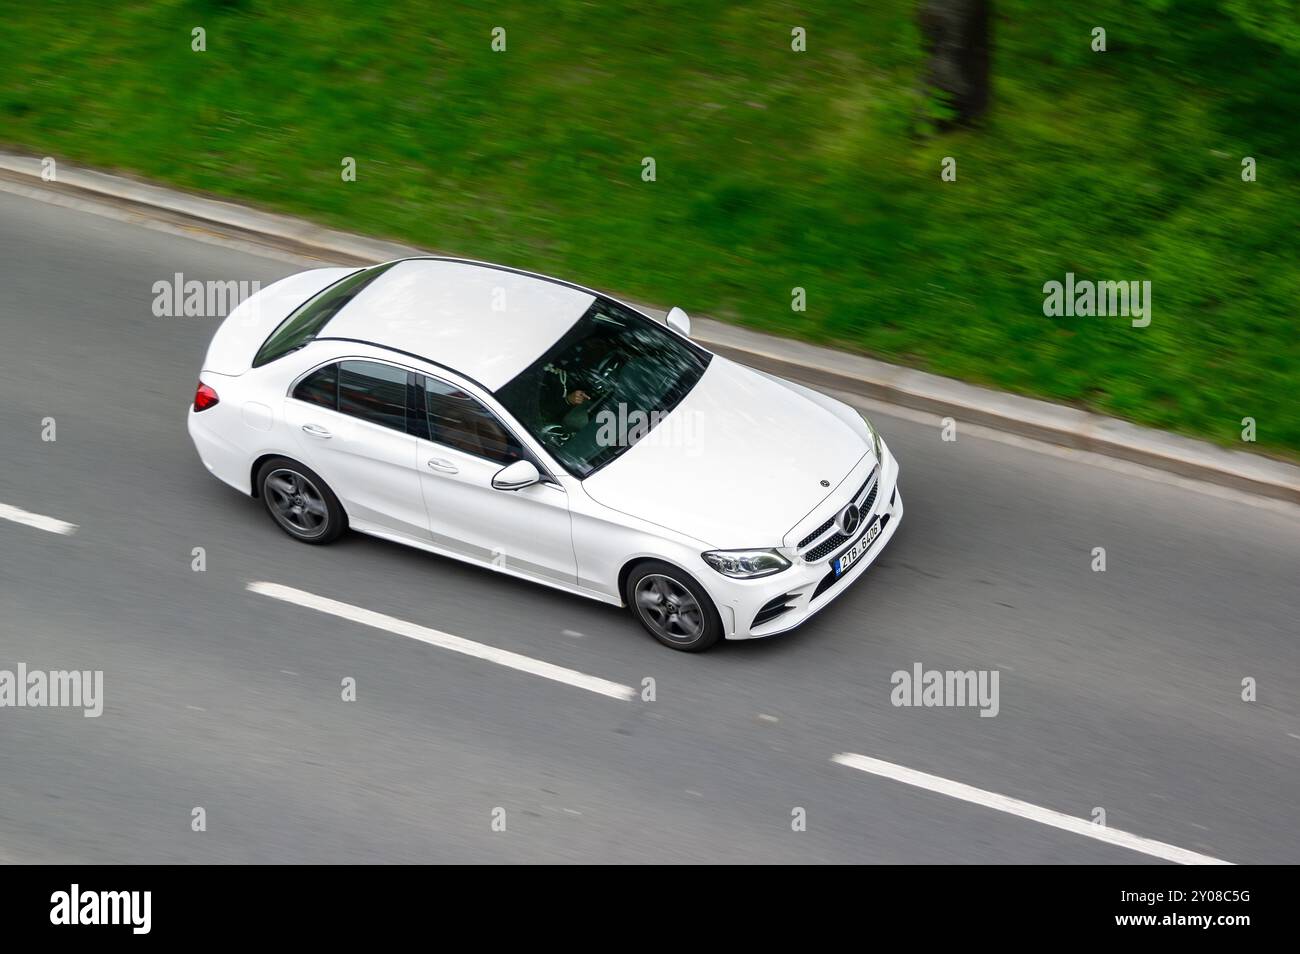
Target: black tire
(300,503)
(655,593)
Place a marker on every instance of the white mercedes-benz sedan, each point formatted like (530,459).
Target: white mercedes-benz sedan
(547,431)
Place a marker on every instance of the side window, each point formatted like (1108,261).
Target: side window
(320,387)
(457,420)
(373,392)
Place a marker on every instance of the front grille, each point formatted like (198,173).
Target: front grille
(865,507)
(830,579)
(826,547)
(816,533)
(865,498)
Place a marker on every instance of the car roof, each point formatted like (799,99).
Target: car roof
(484,321)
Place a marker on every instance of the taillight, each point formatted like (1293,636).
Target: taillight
(204,397)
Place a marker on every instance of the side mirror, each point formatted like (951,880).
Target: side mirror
(679,321)
(516,476)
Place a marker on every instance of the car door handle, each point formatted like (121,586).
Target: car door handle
(315,430)
(443,466)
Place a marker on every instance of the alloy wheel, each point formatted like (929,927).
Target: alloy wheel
(296,503)
(669,608)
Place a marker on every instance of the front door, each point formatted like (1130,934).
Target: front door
(526,532)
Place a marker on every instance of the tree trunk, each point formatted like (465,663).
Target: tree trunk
(956,38)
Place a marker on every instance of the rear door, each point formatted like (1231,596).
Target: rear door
(350,420)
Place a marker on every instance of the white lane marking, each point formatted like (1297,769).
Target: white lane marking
(1013,806)
(502,657)
(48,524)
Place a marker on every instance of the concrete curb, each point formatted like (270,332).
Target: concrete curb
(821,367)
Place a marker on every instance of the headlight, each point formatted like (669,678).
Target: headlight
(875,435)
(746,564)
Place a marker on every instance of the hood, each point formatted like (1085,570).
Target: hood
(737,463)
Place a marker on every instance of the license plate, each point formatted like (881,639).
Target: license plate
(850,556)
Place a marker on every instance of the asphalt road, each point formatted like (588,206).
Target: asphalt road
(1120,690)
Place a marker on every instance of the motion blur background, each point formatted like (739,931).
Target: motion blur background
(775,168)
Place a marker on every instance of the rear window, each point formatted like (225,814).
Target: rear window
(320,387)
(306,321)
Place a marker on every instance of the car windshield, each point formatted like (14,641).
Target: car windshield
(611,367)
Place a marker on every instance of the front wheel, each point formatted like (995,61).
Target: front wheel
(300,502)
(673,607)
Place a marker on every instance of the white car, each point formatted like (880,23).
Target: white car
(547,431)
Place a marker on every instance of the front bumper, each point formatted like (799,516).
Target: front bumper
(789,598)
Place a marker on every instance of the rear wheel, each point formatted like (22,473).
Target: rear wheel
(300,502)
(673,607)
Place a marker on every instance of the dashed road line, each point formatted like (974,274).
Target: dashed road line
(434,637)
(39,521)
(1014,806)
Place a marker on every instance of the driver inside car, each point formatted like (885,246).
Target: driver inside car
(559,403)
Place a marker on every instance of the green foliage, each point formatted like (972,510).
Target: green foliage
(1274,21)
(775,169)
